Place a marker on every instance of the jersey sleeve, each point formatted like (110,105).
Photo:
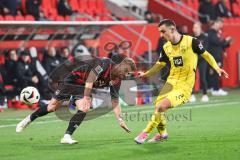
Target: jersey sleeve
(163,57)
(197,46)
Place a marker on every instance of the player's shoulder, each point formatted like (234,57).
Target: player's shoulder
(167,44)
(189,37)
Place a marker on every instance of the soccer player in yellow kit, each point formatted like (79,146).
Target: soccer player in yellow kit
(181,51)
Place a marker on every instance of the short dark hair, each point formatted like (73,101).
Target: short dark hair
(119,58)
(167,22)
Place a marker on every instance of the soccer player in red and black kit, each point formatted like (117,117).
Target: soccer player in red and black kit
(94,73)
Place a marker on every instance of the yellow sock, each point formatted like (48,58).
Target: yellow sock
(155,120)
(162,125)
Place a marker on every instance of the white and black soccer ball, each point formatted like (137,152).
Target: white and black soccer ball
(29,95)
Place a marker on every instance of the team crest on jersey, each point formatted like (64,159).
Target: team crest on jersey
(183,49)
(98,69)
(200,46)
(178,61)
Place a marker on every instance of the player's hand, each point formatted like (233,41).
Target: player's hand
(222,72)
(84,103)
(123,125)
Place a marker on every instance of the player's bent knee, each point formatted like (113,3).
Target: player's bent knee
(163,106)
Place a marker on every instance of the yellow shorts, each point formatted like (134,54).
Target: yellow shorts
(176,96)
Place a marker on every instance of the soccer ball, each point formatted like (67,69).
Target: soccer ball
(29,95)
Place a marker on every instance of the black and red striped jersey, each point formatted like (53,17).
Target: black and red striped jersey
(102,68)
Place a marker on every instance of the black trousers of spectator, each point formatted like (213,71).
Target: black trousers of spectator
(202,66)
(213,78)
(1,94)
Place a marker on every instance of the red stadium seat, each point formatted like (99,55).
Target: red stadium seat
(81,19)
(1,18)
(2,59)
(67,18)
(29,18)
(59,18)
(54,3)
(100,4)
(9,18)
(82,6)
(19,18)
(53,12)
(74,4)
(92,4)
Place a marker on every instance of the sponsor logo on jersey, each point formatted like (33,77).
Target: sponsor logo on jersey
(178,61)
(98,69)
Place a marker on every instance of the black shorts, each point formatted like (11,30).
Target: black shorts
(65,91)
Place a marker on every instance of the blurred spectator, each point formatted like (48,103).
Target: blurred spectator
(221,9)
(26,71)
(2,90)
(202,64)
(207,10)
(182,29)
(33,8)
(42,16)
(64,55)
(50,61)
(8,7)
(113,52)
(217,44)
(64,9)
(148,16)
(11,65)
(81,50)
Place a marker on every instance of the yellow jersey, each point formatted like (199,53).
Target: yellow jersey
(183,58)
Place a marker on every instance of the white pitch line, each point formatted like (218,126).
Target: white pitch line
(131,108)
(147,111)
(181,108)
(14,125)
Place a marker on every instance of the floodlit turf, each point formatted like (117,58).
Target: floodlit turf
(197,131)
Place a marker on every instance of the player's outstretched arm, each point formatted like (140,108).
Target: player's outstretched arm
(85,103)
(152,71)
(209,58)
(118,112)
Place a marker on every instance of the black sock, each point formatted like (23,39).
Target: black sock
(75,121)
(41,111)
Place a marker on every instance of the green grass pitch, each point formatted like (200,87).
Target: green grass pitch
(196,131)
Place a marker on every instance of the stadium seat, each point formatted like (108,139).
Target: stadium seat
(67,18)
(48,8)
(19,18)
(29,18)
(82,6)
(2,59)
(81,19)
(54,3)
(59,18)
(53,12)
(9,18)
(74,4)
